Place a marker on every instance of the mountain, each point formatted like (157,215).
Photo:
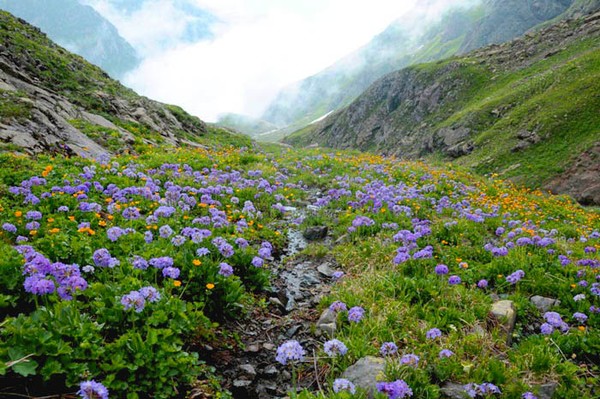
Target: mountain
(80,29)
(527,110)
(460,30)
(52,100)
(245,124)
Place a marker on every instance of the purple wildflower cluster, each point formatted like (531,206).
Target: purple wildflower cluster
(395,390)
(138,299)
(481,390)
(553,321)
(290,352)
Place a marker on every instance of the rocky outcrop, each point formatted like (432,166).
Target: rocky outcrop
(43,89)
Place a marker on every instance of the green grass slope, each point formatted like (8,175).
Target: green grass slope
(526,109)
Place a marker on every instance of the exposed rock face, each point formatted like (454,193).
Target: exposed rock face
(43,103)
(504,311)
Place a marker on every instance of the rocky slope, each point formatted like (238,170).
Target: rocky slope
(79,29)
(459,31)
(526,109)
(52,100)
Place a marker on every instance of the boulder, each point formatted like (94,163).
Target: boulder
(365,373)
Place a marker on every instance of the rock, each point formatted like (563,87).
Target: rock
(315,233)
(546,391)
(365,373)
(327,323)
(292,331)
(252,348)
(506,314)
(270,371)
(544,304)
(247,370)
(343,239)
(453,391)
(325,269)
(269,346)
(275,301)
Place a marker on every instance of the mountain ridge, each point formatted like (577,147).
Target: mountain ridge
(52,100)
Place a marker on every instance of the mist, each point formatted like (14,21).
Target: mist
(249,49)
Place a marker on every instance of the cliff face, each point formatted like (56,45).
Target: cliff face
(526,109)
(51,100)
(459,31)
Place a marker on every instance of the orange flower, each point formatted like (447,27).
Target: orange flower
(54,230)
(72,218)
(177,283)
(196,262)
(33,232)
(50,220)
(18,214)
(581,328)
(210,286)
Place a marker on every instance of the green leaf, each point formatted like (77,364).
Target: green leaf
(25,368)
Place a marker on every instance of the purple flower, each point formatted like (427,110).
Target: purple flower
(150,293)
(546,329)
(410,360)
(171,272)
(178,241)
(114,233)
(433,333)
(102,258)
(133,299)
(202,251)
(441,269)
(338,274)
(92,390)
(161,262)
(33,215)
(454,280)
(131,213)
(334,348)
(482,284)
(356,314)
(445,353)
(148,237)
(257,262)
(342,384)
(139,263)
(388,348)
(241,242)
(39,285)
(290,351)
(165,231)
(338,306)
(515,277)
(394,390)
(9,228)
(580,317)
(225,270)
(528,395)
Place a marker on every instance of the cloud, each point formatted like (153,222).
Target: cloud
(259,46)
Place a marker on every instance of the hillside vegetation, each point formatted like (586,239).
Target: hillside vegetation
(527,110)
(52,100)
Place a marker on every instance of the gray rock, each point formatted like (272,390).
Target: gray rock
(325,269)
(315,233)
(544,304)
(270,371)
(252,348)
(365,373)
(247,370)
(546,391)
(453,391)
(504,311)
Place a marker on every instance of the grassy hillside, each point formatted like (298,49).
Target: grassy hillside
(525,110)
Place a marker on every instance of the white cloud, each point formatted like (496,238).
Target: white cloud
(259,47)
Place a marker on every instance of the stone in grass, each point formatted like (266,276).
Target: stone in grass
(544,304)
(327,322)
(453,391)
(315,233)
(506,314)
(365,373)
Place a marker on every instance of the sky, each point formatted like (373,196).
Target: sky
(257,47)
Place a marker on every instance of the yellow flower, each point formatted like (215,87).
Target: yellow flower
(54,230)
(18,214)
(177,283)
(210,286)
(196,262)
